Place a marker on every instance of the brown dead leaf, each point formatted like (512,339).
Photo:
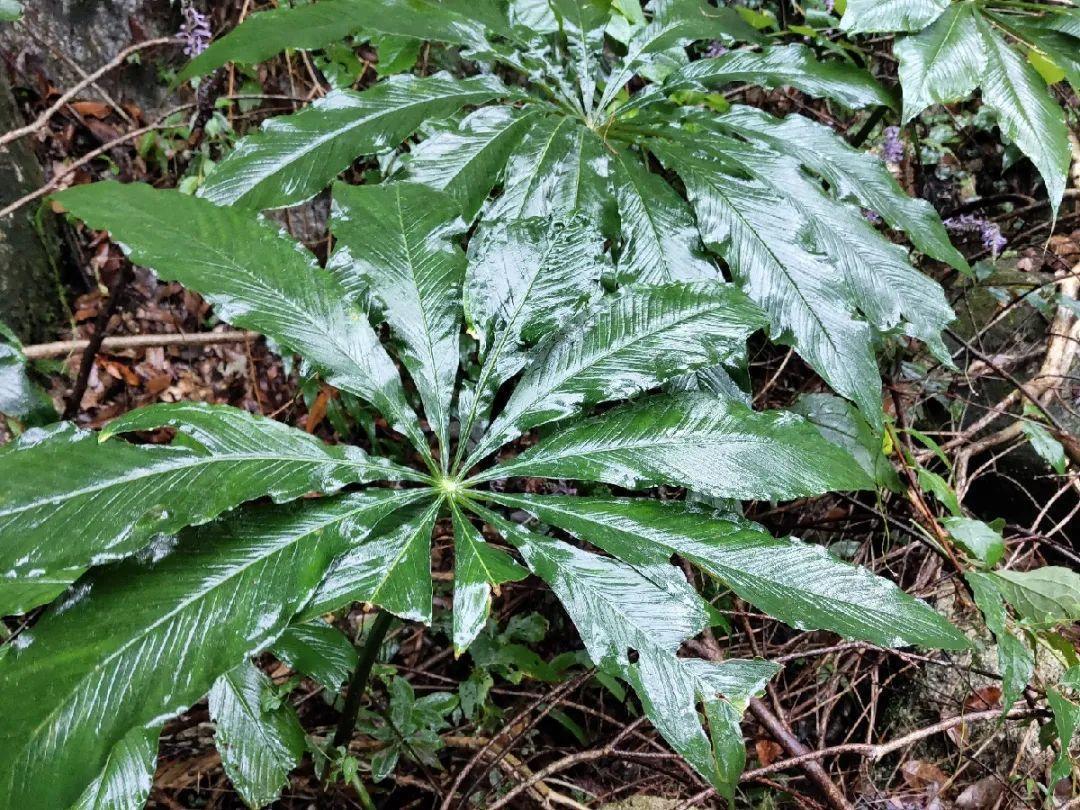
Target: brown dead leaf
(981,795)
(767,751)
(920,775)
(982,699)
(92,109)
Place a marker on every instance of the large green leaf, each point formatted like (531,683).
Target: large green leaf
(141,641)
(850,173)
(767,241)
(619,611)
(390,567)
(256,278)
(311,26)
(716,447)
(887,16)
(629,343)
(467,162)
(259,745)
(943,63)
(786,65)
(478,567)
(128,776)
(660,242)
(525,279)
(110,498)
(1026,112)
(796,582)
(560,169)
(296,156)
(400,242)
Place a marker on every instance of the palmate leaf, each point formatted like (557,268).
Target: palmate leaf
(478,567)
(295,157)
(560,169)
(697,441)
(259,746)
(582,22)
(766,240)
(132,660)
(391,569)
(256,278)
(661,242)
(400,247)
(796,582)
(111,498)
(629,343)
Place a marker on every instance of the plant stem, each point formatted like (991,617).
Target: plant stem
(358,684)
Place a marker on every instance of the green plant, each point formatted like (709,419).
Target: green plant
(1009,50)
(592,294)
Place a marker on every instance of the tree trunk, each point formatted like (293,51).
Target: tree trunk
(28,247)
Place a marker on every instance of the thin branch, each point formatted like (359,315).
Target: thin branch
(63,348)
(116,61)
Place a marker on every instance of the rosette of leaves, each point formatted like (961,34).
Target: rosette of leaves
(586,322)
(1009,51)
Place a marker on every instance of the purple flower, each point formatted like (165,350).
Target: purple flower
(892,147)
(830,5)
(195,31)
(873,217)
(716,48)
(991,235)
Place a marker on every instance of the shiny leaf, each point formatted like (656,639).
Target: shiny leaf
(525,280)
(128,776)
(628,344)
(796,582)
(880,16)
(258,746)
(319,651)
(943,63)
(660,239)
(467,162)
(786,66)
(400,240)
(256,278)
(111,498)
(478,567)
(716,447)
(296,156)
(109,659)
(618,611)
(851,175)
(312,26)
(560,169)
(767,242)
(390,567)
(1015,660)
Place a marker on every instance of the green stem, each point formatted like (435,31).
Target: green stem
(860,137)
(358,684)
